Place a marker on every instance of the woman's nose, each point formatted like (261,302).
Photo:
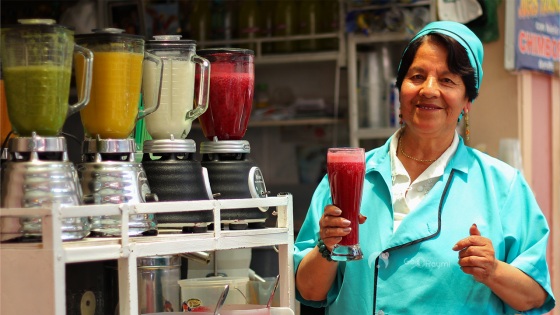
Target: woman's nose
(430,87)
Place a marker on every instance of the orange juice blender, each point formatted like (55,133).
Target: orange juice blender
(109,172)
(37,65)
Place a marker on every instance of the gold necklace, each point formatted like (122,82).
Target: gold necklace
(411,157)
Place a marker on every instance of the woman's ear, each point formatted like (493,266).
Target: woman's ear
(467,107)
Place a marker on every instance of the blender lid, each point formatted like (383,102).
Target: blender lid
(225,146)
(159,261)
(169,41)
(109,146)
(170,146)
(211,51)
(109,34)
(38,23)
(37,144)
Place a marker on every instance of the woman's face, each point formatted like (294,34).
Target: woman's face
(432,97)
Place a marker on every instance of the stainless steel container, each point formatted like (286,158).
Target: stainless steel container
(110,174)
(158,287)
(38,174)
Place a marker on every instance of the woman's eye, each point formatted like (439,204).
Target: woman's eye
(448,81)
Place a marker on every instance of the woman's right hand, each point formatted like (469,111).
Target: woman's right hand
(332,227)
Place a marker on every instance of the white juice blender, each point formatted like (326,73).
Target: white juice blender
(109,172)
(231,172)
(37,65)
(173,172)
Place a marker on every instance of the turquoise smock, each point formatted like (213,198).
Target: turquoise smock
(414,270)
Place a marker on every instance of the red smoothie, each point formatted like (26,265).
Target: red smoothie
(346,171)
(229,106)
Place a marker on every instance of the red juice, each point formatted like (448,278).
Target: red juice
(346,171)
(230,101)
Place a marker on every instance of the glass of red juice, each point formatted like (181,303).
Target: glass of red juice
(346,172)
(232,80)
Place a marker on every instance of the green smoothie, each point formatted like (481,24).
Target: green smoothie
(37,98)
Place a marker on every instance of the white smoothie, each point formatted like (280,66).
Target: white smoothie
(176,100)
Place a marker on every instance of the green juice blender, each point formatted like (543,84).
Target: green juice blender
(37,65)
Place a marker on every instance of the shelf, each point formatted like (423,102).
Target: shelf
(384,37)
(288,122)
(352,6)
(296,122)
(43,263)
(292,57)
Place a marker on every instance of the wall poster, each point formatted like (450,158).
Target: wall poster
(533,35)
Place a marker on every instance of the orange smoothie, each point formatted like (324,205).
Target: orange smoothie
(115,92)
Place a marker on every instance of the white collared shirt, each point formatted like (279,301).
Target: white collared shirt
(407,195)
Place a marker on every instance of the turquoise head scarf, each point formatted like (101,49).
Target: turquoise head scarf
(464,36)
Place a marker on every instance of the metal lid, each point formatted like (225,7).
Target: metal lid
(159,261)
(37,144)
(109,146)
(211,51)
(225,146)
(170,146)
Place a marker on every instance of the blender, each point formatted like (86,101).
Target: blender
(109,172)
(173,172)
(37,173)
(231,172)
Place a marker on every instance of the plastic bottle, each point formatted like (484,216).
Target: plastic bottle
(329,23)
(200,20)
(266,9)
(284,25)
(221,21)
(248,24)
(308,18)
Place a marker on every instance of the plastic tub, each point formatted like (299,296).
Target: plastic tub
(204,292)
(232,309)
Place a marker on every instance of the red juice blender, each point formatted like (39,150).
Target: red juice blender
(231,172)
(36,171)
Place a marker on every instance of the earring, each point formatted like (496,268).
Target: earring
(467,127)
(400,121)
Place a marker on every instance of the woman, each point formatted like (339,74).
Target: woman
(449,230)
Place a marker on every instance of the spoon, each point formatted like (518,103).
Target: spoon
(221,300)
(273,291)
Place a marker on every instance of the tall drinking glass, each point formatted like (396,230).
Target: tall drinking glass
(346,171)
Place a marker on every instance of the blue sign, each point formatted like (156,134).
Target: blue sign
(537,35)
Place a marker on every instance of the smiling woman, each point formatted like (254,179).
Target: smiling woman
(446,223)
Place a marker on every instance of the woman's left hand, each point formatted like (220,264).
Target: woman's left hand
(476,255)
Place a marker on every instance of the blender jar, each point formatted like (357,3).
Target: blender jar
(113,108)
(232,79)
(175,114)
(37,67)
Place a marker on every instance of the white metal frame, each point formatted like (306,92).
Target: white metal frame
(33,275)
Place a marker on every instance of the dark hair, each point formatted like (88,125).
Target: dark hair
(457,61)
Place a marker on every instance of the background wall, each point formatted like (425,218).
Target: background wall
(494,114)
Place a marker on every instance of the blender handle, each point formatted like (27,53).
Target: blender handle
(85,89)
(159,66)
(203,89)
